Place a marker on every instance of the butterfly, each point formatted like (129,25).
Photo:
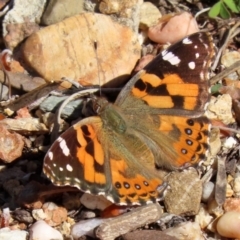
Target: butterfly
(157,120)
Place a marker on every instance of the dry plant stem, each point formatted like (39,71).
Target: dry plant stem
(6,77)
(22,81)
(221,182)
(234,67)
(208,175)
(122,224)
(74,96)
(34,97)
(73,82)
(227,129)
(98,66)
(56,189)
(232,33)
(201,12)
(6,9)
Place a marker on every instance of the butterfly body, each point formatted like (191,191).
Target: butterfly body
(157,119)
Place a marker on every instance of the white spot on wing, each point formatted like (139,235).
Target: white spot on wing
(61,169)
(186,41)
(164,52)
(64,147)
(76,180)
(111,200)
(50,155)
(205,45)
(102,194)
(69,167)
(191,65)
(170,57)
(53,175)
(197,55)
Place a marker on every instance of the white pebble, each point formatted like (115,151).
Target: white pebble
(8,234)
(203,218)
(38,214)
(40,230)
(85,227)
(230,143)
(208,188)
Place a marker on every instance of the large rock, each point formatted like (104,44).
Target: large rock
(88,48)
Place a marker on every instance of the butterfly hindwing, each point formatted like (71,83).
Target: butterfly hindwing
(87,160)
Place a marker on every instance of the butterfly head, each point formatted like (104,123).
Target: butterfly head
(99,104)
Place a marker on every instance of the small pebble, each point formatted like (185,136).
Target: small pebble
(214,209)
(11,144)
(208,188)
(229,58)
(55,215)
(186,231)
(232,204)
(236,186)
(228,225)
(40,230)
(94,202)
(149,15)
(122,8)
(4,92)
(203,218)
(186,186)
(57,10)
(85,227)
(38,214)
(21,20)
(22,215)
(173,29)
(229,143)
(8,234)
(220,108)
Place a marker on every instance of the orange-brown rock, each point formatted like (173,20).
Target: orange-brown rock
(88,48)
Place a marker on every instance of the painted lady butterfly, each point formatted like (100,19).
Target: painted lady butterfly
(157,119)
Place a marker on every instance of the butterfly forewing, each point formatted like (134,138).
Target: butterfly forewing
(77,158)
(176,81)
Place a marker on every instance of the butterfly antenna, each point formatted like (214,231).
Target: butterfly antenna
(98,66)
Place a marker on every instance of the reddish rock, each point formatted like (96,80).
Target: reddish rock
(232,204)
(11,145)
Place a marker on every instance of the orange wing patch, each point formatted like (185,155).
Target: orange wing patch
(90,154)
(169,92)
(191,138)
(134,189)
